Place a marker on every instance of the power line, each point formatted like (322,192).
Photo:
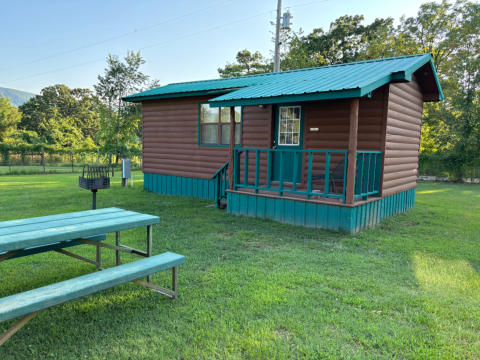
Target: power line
(116,37)
(142,48)
(160,43)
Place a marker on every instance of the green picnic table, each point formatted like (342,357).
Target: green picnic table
(26,237)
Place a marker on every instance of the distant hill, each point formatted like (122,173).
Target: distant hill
(17,97)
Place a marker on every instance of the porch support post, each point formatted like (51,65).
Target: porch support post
(352,151)
(232,145)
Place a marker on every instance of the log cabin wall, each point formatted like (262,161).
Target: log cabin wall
(170,137)
(332,120)
(170,134)
(402,137)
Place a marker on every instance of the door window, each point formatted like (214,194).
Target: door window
(289,125)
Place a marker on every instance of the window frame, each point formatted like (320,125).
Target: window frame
(219,125)
(300,124)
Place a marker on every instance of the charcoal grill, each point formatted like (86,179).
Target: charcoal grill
(94,177)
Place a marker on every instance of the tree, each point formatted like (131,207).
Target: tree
(120,121)
(347,40)
(9,118)
(56,102)
(246,64)
(451,32)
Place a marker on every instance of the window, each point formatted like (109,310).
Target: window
(215,125)
(289,125)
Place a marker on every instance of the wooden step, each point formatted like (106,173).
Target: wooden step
(39,299)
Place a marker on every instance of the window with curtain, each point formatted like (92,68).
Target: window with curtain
(289,125)
(215,125)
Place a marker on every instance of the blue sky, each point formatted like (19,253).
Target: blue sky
(66,41)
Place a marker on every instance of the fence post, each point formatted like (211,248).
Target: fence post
(71,156)
(43,160)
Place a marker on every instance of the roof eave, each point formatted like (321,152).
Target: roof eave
(342,94)
(405,75)
(132,98)
(422,61)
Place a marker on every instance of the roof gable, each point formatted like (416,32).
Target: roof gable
(335,81)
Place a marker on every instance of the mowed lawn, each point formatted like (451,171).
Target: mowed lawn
(256,289)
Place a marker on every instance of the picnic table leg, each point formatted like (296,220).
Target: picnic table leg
(99,257)
(149,248)
(15,327)
(174,281)
(117,243)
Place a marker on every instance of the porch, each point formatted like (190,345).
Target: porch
(309,188)
(315,175)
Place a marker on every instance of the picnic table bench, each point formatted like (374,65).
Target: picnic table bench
(26,237)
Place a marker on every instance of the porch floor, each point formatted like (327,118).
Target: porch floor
(300,197)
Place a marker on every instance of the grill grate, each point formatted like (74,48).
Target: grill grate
(95,177)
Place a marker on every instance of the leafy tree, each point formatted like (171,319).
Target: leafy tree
(9,118)
(346,40)
(120,121)
(40,113)
(451,32)
(246,64)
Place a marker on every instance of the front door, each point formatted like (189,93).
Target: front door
(288,136)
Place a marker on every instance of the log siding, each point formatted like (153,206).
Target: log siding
(170,137)
(402,137)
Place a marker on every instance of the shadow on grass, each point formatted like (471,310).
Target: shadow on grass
(258,289)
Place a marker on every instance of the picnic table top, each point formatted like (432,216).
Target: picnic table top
(45,230)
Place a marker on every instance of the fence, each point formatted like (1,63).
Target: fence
(446,167)
(43,162)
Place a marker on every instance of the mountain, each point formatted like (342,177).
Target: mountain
(17,97)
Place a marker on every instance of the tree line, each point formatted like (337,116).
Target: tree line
(64,118)
(449,31)
(61,118)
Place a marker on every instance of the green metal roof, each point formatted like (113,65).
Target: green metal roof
(328,82)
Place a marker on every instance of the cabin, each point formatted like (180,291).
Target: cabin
(332,147)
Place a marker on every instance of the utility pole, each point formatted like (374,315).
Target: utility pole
(276,59)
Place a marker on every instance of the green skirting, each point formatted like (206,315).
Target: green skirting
(309,214)
(178,185)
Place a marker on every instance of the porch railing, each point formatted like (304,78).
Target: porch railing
(324,171)
(221,183)
(368,173)
(308,173)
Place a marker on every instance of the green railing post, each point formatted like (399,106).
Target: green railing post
(309,174)
(359,174)
(257,169)
(379,172)
(280,186)
(269,169)
(295,171)
(373,175)
(366,175)
(245,169)
(345,166)
(327,173)
(236,169)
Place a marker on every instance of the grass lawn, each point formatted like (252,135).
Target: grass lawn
(256,289)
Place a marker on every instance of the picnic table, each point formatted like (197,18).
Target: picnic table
(26,237)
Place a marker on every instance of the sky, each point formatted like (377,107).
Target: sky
(66,41)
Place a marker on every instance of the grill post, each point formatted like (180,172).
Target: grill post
(94,199)
(94,178)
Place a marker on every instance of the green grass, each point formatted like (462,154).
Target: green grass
(255,289)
